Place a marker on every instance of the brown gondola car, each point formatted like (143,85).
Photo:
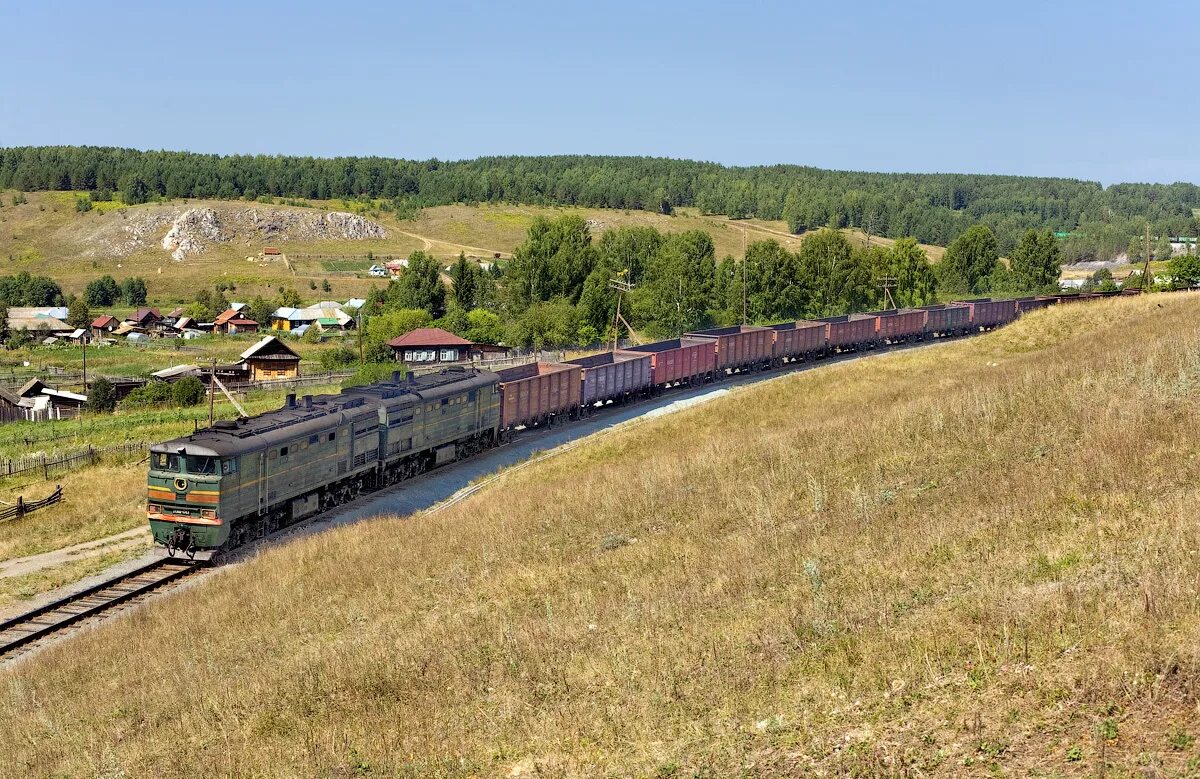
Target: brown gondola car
(852,331)
(899,325)
(538,393)
(987,313)
(1034,303)
(678,360)
(612,376)
(799,340)
(740,347)
(945,319)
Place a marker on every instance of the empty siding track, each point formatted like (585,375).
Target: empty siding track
(21,633)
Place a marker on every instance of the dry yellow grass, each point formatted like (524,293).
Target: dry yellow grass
(974,559)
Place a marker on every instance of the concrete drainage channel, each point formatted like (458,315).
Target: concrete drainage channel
(61,613)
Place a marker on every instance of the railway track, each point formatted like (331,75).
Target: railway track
(20,633)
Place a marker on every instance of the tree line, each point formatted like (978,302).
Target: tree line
(933,208)
(557,289)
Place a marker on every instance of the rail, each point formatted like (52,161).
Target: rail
(22,508)
(57,615)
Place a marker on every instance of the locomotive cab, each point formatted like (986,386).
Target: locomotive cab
(183,496)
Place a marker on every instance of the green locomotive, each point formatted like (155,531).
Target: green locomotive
(240,480)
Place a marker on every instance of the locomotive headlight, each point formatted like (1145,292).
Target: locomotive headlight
(154,508)
(208,514)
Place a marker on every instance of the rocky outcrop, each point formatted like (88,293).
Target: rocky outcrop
(193,230)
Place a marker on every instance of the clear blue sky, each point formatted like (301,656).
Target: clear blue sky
(1095,90)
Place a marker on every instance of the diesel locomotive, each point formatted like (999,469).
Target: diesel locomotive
(241,480)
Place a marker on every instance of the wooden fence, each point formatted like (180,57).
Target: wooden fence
(22,508)
(67,461)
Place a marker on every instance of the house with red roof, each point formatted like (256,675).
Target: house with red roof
(433,345)
(232,321)
(104,325)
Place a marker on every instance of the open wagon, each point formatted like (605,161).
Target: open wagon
(538,393)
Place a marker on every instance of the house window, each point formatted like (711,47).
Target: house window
(449,355)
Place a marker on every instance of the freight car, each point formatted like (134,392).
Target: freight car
(238,480)
(741,347)
(898,326)
(943,320)
(851,331)
(538,393)
(987,313)
(799,341)
(612,377)
(679,361)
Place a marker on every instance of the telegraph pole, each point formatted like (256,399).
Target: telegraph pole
(621,286)
(1146,264)
(212,385)
(743,275)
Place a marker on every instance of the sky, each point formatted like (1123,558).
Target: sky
(1093,90)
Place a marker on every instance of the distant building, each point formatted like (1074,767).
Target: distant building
(44,321)
(271,251)
(270,358)
(104,325)
(378,271)
(327,319)
(433,345)
(232,322)
(396,267)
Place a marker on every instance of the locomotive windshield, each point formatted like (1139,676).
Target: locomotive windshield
(166,462)
(201,465)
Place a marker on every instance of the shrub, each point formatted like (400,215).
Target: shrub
(102,396)
(155,393)
(372,373)
(336,359)
(187,391)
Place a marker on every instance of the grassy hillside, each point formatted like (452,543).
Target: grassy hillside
(973,559)
(48,236)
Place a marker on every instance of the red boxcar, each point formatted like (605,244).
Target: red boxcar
(901,324)
(740,346)
(987,313)
(794,340)
(680,359)
(947,318)
(610,376)
(536,392)
(852,330)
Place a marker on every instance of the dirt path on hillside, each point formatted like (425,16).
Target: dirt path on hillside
(20,566)
(461,247)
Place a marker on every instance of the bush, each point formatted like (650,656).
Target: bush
(336,359)
(102,396)
(187,391)
(155,393)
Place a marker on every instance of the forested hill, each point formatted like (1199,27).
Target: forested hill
(934,208)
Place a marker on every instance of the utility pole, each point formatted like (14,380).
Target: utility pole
(83,346)
(743,275)
(889,283)
(361,360)
(622,287)
(212,383)
(1146,264)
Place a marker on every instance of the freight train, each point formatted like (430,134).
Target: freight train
(243,479)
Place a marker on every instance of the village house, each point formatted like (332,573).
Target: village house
(144,320)
(330,318)
(270,358)
(232,322)
(39,321)
(433,345)
(104,325)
